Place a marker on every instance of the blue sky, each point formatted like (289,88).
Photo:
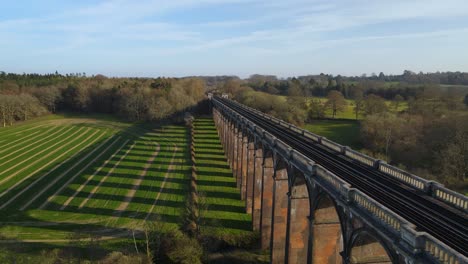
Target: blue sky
(235,37)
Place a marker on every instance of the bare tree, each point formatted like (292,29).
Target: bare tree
(336,102)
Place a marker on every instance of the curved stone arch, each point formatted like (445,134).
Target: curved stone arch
(328,229)
(382,252)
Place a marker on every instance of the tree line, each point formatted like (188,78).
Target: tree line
(134,99)
(429,136)
(321,85)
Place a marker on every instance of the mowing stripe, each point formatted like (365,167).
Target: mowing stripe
(78,173)
(130,193)
(29,146)
(46,174)
(105,178)
(34,162)
(18,132)
(169,170)
(23,139)
(35,147)
(136,183)
(69,169)
(92,176)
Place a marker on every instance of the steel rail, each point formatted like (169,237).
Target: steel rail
(444,224)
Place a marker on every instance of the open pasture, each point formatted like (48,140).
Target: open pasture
(89,175)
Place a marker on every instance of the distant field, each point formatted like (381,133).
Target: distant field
(341,131)
(64,174)
(348,113)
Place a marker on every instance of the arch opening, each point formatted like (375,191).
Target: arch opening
(327,233)
(367,249)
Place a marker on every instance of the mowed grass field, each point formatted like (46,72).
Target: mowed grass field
(224,211)
(63,175)
(344,132)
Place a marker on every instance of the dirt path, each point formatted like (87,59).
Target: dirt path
(44,175)
(37,154)
(94,190)
(23,140)
(170,168)
(29,146)
(92,176)
(111,235)
(79,172)
(136,184)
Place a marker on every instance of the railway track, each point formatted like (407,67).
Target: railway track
(429,215)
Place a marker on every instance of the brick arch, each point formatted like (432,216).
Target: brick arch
(365,246)
(327,230)
(298,237)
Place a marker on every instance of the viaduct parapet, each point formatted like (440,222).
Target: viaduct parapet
(305,213)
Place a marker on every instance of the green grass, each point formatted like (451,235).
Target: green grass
(105,138)
(345,132)
(348,112)
(101,158)
(225,211)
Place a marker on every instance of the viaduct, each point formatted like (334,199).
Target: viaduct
(315,201)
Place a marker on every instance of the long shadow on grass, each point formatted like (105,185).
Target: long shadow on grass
(223,197)
(133,133)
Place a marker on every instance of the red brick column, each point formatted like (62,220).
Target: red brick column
(267,201)
(235,147)
(239,160)
(250,177)
(243,167)
(280,214)
(257,189)
(326,233)
(299,223)
(229,143)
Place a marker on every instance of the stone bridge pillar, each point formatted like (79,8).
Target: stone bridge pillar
(243,167)
(326,232)
(239,159)
(223,126)
(250,181)
(257,188)
(229,132)
(267,199)
(298,221)
(280,212)
(234,152)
